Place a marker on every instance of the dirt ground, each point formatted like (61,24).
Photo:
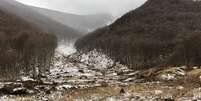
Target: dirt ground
(180,89)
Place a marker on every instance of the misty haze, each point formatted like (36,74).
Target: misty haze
(100,50)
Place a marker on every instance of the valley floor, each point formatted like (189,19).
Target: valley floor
(95,77)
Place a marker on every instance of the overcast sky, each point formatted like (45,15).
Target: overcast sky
(114,7)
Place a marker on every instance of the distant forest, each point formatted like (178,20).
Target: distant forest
(23,48)
(159,33)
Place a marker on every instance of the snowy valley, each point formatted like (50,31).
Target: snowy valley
(151,53)
(94,76)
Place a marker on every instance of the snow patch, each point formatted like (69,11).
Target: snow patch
(96,59)
(168,76)
(65,48)
(172,73)
(64,87)
(26,78)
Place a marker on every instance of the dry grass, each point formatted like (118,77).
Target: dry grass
(142,89)
(185,86)
(101,92)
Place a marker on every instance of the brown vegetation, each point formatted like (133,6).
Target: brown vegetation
(23,48)
(159,33)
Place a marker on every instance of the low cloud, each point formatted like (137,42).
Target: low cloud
(114,7)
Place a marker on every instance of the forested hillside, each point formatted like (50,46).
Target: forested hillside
(23,47)
(82,23)
(159,33)
(42,22)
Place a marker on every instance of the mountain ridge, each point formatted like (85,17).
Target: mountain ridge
(44,23)
(82,23)
(159,33)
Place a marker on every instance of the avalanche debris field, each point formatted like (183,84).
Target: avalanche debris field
(95,77)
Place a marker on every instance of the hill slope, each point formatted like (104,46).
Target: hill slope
(44,23)
(82,23)
(23,47)
(161,32)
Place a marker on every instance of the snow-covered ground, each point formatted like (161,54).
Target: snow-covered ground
(82,68)
(65,48)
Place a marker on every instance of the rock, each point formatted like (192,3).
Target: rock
(133,74)
(168,77)
(185,99)
(122,91)
(48,92)
(83,77)
(197,100)
(180,87)
(64,87)
(43,88)
(42,76)
(81,71)
(44,99)
(158,92)
(195,67)
(173,73)
(168,99)
(20,91)
(129,79)
(15,89)
(26,78)
(112,74)
(8,88)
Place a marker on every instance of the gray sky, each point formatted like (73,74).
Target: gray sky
(114,7)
